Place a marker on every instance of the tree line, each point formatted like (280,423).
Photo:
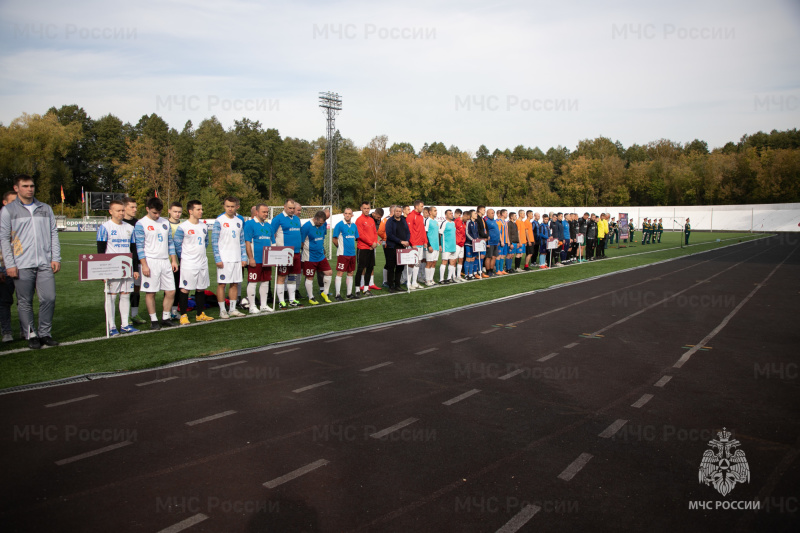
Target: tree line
(67,148)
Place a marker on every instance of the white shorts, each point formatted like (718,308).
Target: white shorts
(193,279)
(459,252)
(161,276)
(431,256)
(449,256)
(230,272)
(116,286)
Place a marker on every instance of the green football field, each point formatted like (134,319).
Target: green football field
(79,316)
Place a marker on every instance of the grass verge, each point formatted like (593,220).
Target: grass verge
(79,314)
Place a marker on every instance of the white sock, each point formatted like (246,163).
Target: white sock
(251,294)
(111,302)
(153,317)
(338,285)
(442,268)
(349,285)
(292,289)
(280,287)
(222,307)
(239,291)
(372,280)
(414,274)
(233,305)
(458,270)
(174,309)
(326,284)
(263,292)
(124,308)
(165,315)
(429,272)
(310,288)
(385,276)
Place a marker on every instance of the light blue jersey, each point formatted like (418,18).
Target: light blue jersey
(432,231)
(286,231)
(313,242)
(447,230)
(346,235)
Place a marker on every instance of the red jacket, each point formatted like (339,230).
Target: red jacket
(367,233)
(416,226)
(461,232)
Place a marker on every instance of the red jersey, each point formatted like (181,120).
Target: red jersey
(367,232)
(461,232)
(416,227)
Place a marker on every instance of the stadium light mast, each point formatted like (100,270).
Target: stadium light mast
(331,103)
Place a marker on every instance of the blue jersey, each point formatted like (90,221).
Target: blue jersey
(448,231)
(346,235)
(259,235)
(544,234)
(313,241)
(286,231)
(432,232)
(493,230)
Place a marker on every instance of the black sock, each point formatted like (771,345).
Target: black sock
(517,262)
(199,302)
(135,299)
(183,302)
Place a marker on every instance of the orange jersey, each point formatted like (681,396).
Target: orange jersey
(523,237)
(382,229)
(529,231)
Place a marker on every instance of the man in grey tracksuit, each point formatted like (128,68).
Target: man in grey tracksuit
(32,256)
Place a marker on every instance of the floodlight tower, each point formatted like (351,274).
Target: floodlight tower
(332,104)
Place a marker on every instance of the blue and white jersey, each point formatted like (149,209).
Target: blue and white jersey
(153,238)
(118,237)
(432,232)
(191,243)
(346,234)
(447,229)
(286,231)
(259,235)
(313,242)
(227,240)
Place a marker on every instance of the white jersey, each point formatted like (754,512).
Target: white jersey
(191,242)
(117,236)
(227,241)
(153,238)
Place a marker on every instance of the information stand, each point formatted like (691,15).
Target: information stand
(277,256)
(104,267)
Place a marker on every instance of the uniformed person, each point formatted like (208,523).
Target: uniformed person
(660,229)
(645,229)
(631,231)
(687,229)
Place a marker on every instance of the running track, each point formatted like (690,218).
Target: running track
(585,407)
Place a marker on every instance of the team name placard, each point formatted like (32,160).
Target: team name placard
(278,256)
(105,266)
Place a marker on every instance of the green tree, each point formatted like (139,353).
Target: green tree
(38,145)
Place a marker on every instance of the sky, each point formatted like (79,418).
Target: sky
(463,73)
